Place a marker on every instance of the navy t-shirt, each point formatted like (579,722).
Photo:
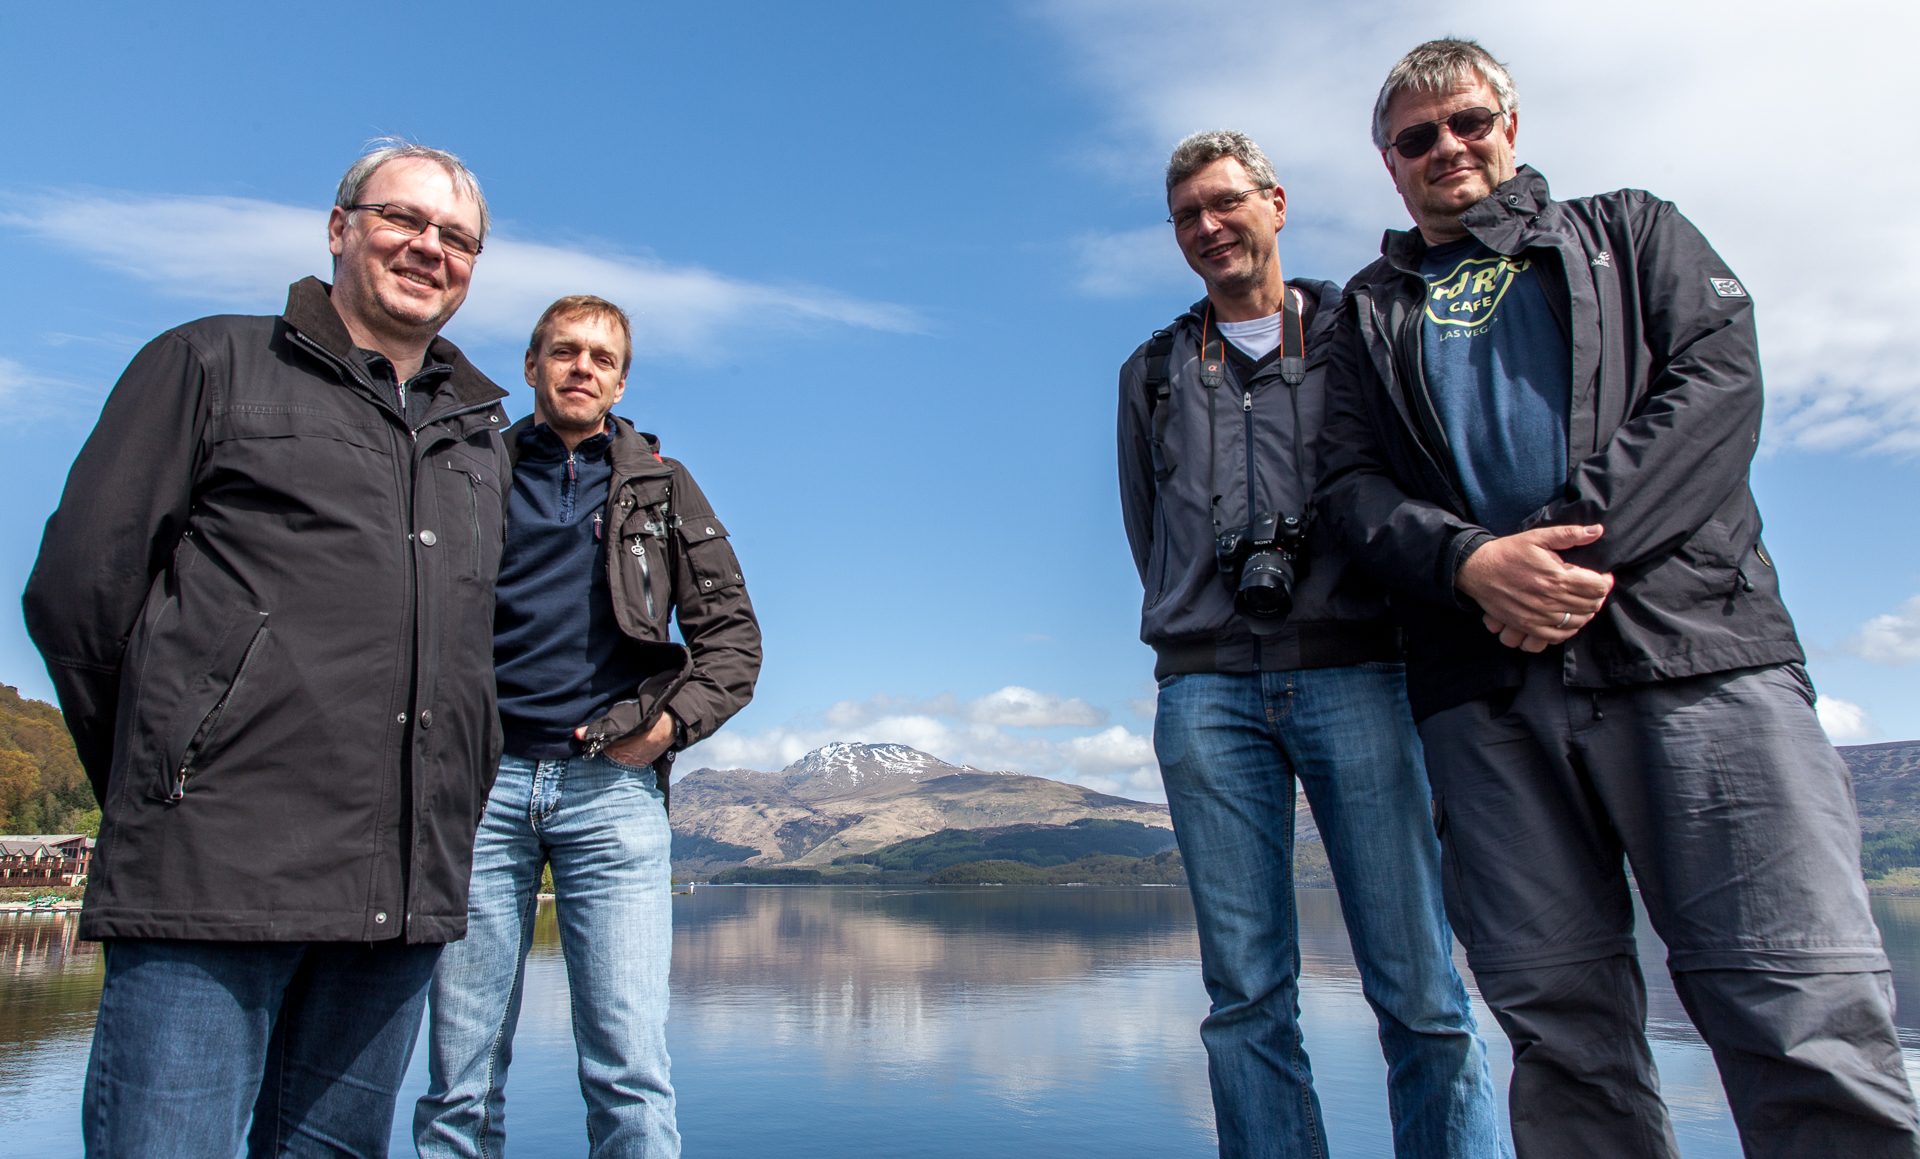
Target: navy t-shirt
(560,658)
(1500,375)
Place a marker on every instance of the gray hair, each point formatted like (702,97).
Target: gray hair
(1200,150)
(381,150)
(1436,65)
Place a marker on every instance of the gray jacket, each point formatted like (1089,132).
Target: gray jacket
(1188,617)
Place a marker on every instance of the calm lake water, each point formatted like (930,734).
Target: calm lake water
(906,1022)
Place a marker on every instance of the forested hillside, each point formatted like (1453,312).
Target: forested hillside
(42,788)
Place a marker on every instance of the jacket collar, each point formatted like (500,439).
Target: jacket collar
(1326,295)
(310,311)
(633,452)
(1502,221)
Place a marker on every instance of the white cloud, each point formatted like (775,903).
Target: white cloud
(27,392)
(991,733)
(1890,639)
(244,252)
(1843,719)
(1010,707)
(1803,197)
(1138,261)
(1017,707)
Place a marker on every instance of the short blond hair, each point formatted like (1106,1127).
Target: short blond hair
(583,306)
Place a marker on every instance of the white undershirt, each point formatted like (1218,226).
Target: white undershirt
(1256,338)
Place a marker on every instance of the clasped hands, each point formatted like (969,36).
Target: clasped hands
(1530,596)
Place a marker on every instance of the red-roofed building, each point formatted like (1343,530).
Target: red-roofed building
(44,859)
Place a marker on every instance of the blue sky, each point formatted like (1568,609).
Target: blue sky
(885,259)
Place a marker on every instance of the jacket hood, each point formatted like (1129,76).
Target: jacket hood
(633,452)
(1498,220)
(310,311)
(1326,295)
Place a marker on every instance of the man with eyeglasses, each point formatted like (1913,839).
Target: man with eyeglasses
(266,602)
(1538,435)
(1278,666)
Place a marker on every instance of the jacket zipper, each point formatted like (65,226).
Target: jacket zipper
(646,571)
(1401,347)
(211,725)
(473,516)
(1246,409)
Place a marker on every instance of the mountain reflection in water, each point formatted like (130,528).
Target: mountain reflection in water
(947,1022)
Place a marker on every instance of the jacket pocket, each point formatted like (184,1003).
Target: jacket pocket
(467,495)
(1157,553)
(709,557)
(640,562)
(236,657)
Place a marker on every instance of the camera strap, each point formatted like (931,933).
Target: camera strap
(1293,371)
(1159,386)
(1212,372)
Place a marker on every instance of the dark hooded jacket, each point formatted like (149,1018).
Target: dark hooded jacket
(1188,616)
(266,602)
(1663,423)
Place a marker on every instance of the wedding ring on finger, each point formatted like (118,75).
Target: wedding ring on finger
(1565,619)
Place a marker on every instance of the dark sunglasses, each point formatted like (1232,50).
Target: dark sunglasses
(1465,125)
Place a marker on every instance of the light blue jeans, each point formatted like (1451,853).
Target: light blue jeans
(1230,748)
(603,826)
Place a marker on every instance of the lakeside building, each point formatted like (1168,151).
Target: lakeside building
(44,859)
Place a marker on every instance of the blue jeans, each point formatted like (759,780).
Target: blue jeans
(1230,748)
(311,1038)
(603,826)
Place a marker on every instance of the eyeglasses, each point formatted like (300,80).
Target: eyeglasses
(1222,206)
(457,242)
(1465,125)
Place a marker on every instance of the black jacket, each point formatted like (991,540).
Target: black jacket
(1188,617)
(266,602)
(670,557)
(1664,420)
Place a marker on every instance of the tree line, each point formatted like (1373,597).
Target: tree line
(42,786)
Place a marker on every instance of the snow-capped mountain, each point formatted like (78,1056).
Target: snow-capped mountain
(844,766)
(852,798)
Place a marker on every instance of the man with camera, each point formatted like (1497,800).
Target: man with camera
(1277,665)
(1540,419)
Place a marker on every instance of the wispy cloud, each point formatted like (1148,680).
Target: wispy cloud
(244,252)
(994,732)
(1137,261)
(1810,212)
(27,391)
(1842,719)
(1890,639)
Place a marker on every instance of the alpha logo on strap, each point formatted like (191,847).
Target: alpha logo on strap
(1604,258)
(1728,287)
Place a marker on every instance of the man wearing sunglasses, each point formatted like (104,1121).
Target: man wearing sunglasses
(266,602)
(1538,435)
(1217,421)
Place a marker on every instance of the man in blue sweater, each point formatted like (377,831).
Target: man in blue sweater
(605,540)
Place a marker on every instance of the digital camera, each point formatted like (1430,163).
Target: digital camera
(1260,562)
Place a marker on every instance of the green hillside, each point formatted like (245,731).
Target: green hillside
(1045,846)
(42,787)
(1100,869)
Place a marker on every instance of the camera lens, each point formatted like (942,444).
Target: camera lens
(1266,585)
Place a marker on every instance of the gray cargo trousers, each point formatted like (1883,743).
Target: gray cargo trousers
(1738,819)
